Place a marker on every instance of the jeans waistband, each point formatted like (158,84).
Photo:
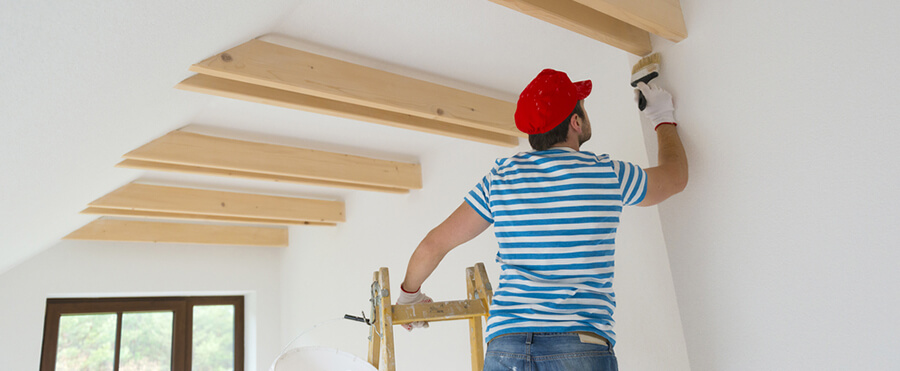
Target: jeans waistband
(529,336)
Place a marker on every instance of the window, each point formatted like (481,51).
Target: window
(121,334)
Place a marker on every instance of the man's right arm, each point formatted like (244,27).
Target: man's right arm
(671,175)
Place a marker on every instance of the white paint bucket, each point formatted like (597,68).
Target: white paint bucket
(319,359)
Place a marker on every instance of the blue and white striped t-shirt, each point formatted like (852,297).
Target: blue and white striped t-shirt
(555,215)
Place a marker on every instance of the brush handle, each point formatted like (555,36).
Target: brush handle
(642,101)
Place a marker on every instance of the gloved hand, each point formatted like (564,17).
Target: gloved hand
(659,108)
(413,298)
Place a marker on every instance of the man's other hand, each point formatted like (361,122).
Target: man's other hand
(413,298)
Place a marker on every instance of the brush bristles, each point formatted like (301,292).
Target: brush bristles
(644,62)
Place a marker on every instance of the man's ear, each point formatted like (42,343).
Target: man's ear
(575,123)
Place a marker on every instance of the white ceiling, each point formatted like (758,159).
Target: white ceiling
(82,83)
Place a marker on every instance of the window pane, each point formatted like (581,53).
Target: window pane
(86,342)
(146,341)
(213,338)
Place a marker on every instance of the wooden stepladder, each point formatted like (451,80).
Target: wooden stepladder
(385,316)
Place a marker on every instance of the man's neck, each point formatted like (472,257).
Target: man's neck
(567,144)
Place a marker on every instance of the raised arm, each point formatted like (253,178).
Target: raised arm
(671,175)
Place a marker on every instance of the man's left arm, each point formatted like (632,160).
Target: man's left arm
(461,226)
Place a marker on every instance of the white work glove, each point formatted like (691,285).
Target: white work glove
(659,108)
(413,298)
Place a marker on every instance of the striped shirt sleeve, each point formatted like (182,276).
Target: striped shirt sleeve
(479,198)
(632,182)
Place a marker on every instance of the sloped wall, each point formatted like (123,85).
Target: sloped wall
(782,247)
(66,124)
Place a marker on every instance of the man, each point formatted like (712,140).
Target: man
(555,212)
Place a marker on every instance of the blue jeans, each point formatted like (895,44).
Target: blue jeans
(547,351)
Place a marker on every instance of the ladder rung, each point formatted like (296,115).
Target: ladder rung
(438,311)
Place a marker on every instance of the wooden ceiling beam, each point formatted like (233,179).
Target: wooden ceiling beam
(286,99)
(659,17)
(159,166)
(587,21)
(187,152)
(271,65)
(143,231)
(176,200)
(196,217)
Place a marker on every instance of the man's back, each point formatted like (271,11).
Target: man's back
(555,215)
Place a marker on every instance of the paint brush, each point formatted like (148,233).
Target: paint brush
(643,71)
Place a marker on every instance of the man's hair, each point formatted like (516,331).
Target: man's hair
(542,142)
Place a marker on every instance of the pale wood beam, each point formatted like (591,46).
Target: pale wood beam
(385,319)
(659,17)
(176,200)
(159,166)
(281,98)
(476,338)
(586,21)
(438,311)
(261,63)
(203,217)
(482,284)
(142,231)
(203,154)
(374,349)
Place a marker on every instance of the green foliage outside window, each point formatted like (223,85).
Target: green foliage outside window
(213,348)
(87,342)
(146,341)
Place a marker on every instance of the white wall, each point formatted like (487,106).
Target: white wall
(92,269)
(783,247)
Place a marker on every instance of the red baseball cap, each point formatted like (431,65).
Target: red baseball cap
(548,100)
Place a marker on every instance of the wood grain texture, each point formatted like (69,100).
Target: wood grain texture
(385,316)
(266,64)
(659,17)
(386,321)
(244,157)
(374,350)
(145,197)
(476,337)
(198,217)
(438,311)
(287,99)
(581,19)
(482,284)
(158,166)
(143,231)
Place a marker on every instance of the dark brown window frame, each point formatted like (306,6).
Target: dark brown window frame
(181,306)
